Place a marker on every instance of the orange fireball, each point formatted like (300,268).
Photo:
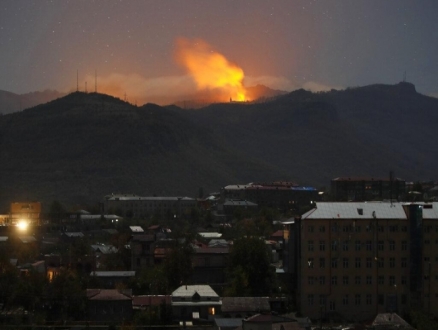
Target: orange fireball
(210,70)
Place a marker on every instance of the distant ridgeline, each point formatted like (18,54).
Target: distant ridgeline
(80,147)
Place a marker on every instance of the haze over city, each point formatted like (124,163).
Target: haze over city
(135,47)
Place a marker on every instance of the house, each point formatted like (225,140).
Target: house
(227,323)
(241,307)
(209,265)
(27,240)
(218,243)
(70,237)
(210,235)
(230,206)
(110,279)
(109,305)
(142,251)
(388,321)
(145,302)
(136,230)
(195,302)
(103,253)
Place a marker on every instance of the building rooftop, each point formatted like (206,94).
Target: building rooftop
(228,322)
(210,234)
(245,304)
(238,202)
(356,210)
(136,229)
(430,210)
(358,178)
(150,300)
(269,318)
(27,239)
(150,199)
(104,249)
(74,234)
(123,273)
(385,320)
(187,291)
(107,294)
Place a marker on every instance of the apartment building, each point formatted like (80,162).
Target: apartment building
(130,205)
(367,189)
(356,260)
(279,194)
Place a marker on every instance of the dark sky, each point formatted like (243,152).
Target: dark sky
(283,44)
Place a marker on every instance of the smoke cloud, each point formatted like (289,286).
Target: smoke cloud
(210,77)
(212,72)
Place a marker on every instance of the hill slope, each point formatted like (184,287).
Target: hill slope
(11,102)
(84,146)
(365,131)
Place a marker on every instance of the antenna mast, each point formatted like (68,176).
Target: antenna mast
(95,81)
(77,80)
(85,87)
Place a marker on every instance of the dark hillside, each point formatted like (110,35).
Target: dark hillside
(11,102)
(365,131)
(84,146)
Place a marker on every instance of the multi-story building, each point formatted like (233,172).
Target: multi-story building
(130,205)
(209,266)
(360,259)
(279,194)
(25,211)
(367,189)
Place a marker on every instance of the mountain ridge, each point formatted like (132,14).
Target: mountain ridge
(82,147)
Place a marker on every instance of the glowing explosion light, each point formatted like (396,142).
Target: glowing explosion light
(211,70)
(22,225)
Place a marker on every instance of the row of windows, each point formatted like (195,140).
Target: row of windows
(368,262)
(357,280)
(358,245)
(357,299)
(353,228)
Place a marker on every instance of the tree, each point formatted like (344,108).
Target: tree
(249,265)
(421,320)
(151,281)
(178,264)
(9,277)
(66,296)
(57,212)
(238,286)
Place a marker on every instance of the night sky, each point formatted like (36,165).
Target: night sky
(283,44)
